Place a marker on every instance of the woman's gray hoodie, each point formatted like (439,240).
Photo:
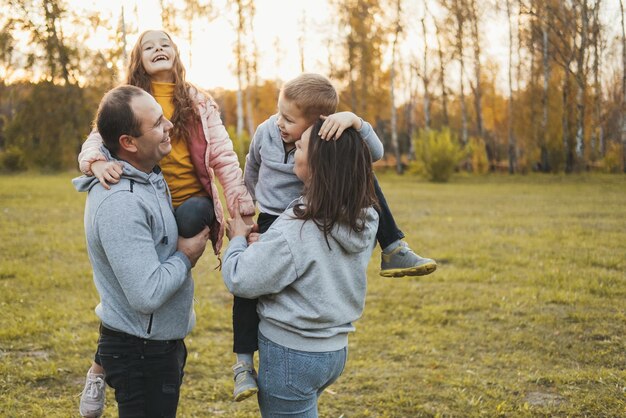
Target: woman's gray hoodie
(309,295)
(145,285)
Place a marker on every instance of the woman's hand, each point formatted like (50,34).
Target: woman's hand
(237,227)
(335,124)
(107,172)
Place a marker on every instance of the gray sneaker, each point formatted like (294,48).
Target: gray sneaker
(92,398)
(245,381)
(404,262)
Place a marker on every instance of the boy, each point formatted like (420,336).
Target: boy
(272,183)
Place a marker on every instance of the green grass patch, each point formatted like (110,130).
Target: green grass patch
(524,317)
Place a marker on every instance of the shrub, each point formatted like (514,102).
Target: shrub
(12,160)
(478,156)
(612,162)
(438,154)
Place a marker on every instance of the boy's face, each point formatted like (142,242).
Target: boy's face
(291,122)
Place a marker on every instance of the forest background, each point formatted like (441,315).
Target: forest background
(417,69)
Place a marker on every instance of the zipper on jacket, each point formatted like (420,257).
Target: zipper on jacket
(287,154)
(150,323)
(132,183)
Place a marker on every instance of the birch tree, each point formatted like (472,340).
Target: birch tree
(512,148)
(623,106)
(392,70)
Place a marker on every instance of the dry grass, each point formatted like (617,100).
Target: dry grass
(524,317)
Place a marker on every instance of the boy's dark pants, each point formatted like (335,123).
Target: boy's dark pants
(245,317)
(146,374)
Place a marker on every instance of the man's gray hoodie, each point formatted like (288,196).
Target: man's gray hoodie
(145,285)
(309,295)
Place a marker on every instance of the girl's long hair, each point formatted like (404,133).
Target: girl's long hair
(341,184)
(185,111)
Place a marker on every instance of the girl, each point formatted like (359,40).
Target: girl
(309,272)
(201,150)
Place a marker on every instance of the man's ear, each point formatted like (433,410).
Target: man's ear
(127,143)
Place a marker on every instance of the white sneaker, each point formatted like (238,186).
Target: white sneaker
(92,398)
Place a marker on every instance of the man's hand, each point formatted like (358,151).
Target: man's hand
(193,247)
(107,172)
(236,226)
(335,124)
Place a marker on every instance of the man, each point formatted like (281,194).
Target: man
(141,268)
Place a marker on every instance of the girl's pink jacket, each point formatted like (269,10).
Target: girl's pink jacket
(212,155)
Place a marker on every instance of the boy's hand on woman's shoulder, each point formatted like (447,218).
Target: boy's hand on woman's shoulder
(335,124)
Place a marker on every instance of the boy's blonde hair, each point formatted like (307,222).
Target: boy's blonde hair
(313,94)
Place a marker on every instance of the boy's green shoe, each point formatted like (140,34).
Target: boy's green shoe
(402,261)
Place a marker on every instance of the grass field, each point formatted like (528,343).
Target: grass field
(526,315)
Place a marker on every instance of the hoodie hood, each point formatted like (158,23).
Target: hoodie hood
(355,242)
(85,183)
(351,241)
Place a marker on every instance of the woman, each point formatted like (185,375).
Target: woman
(201,150)
(309,272)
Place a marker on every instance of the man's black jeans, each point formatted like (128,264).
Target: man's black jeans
(145,374)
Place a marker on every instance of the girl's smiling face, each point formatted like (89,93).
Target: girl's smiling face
(158,55)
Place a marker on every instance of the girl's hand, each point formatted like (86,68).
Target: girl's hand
(107,172)
(236,227)
(253,237)
(335,124)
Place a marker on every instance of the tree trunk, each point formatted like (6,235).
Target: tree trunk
(512,152)
(442,77)
(569,155)
(410,114)
(123,35)
(545,162)
(460,20)
(581,84)
(394,128)
(478,91)
(426,78)
(596,132)
(239,53)
(623,107)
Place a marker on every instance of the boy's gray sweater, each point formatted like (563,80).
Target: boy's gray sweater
(268,173)
(145,285)
(309,295)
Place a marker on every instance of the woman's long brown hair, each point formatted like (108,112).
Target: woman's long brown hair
(185,110)
(341,184)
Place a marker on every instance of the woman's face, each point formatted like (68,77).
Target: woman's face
(158,55)
(301,165)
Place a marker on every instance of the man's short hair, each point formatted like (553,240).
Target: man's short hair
(313,94)
(115,116)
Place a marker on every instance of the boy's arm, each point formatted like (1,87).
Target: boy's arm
(253,162)
(335,124)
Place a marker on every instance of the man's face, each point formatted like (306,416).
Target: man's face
(154,142)
(291,122)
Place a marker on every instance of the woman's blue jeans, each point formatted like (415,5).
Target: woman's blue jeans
(290,381)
